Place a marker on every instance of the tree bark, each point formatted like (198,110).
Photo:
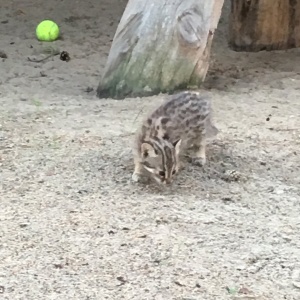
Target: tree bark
(257,25)
(160,46)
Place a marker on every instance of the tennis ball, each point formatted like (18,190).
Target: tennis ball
(47,31)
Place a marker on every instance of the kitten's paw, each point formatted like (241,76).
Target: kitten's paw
(136,177)
(199,161)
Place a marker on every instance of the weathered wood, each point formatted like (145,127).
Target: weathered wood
(257,25)
(160,46)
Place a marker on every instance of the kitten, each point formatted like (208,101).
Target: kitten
(181,122)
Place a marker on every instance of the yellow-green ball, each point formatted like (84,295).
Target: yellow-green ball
(47,31)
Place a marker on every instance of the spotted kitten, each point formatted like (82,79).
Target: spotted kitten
(176,125)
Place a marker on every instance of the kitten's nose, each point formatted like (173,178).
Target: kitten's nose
(167,181)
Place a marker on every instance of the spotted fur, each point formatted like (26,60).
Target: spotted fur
(181,122)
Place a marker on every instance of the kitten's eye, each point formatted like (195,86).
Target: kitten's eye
(162,173)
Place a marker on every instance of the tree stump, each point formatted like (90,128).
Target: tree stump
(160,46)
(257,25)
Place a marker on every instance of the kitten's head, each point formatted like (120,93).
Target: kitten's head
(161,159)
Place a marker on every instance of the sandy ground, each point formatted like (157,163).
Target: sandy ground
(73,226)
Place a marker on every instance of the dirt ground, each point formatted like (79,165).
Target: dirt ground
(74,226)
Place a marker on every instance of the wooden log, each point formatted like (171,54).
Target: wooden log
(257,25)
(160,46)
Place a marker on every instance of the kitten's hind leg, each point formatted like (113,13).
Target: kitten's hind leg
(210,129)
(199,158)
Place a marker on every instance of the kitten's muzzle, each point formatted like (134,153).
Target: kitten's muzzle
(167,181)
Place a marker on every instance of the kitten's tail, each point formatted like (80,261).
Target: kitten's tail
(211,130)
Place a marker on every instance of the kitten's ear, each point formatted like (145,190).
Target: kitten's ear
(148,150)
(176,145)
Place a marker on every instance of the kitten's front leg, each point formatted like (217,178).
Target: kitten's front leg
(137,173)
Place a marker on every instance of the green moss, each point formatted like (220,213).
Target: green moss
(148,75)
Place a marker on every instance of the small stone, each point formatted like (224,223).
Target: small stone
(244,290)
(3,54)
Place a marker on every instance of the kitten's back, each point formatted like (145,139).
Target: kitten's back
(183,105)
(182,113)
